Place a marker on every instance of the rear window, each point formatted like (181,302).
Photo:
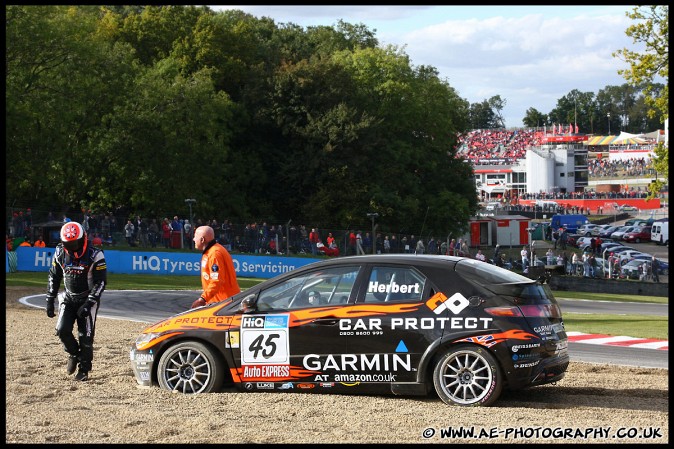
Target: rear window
(505,283)
(478,271)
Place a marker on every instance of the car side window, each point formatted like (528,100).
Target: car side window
(388,283)
(325,287)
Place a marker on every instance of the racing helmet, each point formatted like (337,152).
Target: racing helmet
(313,298)
(74,239)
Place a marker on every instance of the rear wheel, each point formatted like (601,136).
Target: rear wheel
(190,367)
(467,375)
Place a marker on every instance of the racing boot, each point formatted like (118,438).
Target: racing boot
(72,364)
(82,375)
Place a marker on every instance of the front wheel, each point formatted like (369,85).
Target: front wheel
(467,375)
(190,367)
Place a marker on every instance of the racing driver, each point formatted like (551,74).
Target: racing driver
(83,270)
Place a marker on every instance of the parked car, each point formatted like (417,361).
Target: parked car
(618,235)
(663,266)
(625,255)
(596,232)
(634,268)
(582,242)
(638,235)
(606,233)
(586,229)
(609,244)
(627,208)
(401,324)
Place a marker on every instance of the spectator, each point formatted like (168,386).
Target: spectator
(143,233)
(655,267)
(166,233)
(432,246)
(97,241)
(153,233)
(39,243)
(480,256)
(187,234)
(128,232)
(525,259)
(550,256)
(313,240)
(26,242)
(420,247)
(359,243)
(176,232)
(387,245)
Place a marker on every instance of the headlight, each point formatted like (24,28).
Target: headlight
(144,339)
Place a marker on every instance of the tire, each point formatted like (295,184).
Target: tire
(190,367)
(467,375)
(638,240)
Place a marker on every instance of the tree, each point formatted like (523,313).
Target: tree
(496,103)
(652,30)
(534,119)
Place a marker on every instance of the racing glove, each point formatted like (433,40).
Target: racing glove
(198,303)
(85,308)
(50,307)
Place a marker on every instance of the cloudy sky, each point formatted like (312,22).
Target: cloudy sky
(529,55)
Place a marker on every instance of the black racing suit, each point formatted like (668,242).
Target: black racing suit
(84,280)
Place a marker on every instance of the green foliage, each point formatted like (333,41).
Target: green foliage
(132,109)
(651,28)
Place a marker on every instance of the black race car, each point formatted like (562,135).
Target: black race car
(401,324)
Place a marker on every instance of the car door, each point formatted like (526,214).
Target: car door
(393,326)
(294,328)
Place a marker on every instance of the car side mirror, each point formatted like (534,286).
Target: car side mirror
(248,304)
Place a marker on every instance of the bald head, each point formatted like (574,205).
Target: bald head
(203,236)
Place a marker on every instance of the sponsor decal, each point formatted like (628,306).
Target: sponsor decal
(350,384)
(215,269)
(439,302)
(358,362)
(286,386)
(141,357)
(232,340)
(527,364)
(490,340)
(516,348)
(206,276)
(393,287)
(516,357)
(265,371)
(358,378)
(373,326)
(264,340)
(549,329)
(248,386)
(265,385)
(215,276)
(561,347)
(265,322)
(306,386)
(327,384)
(144,375)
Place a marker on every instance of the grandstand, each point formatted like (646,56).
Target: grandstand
(511,164)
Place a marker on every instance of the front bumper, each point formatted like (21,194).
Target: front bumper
(142,363)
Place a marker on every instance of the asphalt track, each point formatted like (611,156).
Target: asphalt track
(151,306)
